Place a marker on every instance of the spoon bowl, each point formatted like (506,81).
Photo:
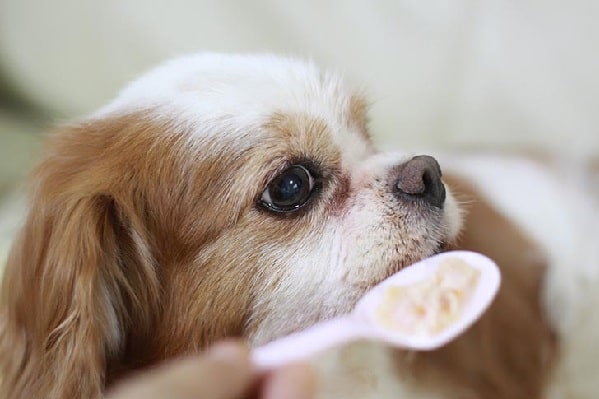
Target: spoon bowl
(422,307)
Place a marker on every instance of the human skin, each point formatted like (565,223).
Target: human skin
(224,371)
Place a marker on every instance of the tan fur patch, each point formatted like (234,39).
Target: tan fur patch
(103,274)
(358,115)
(141,246)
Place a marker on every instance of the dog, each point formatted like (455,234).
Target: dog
(242,196)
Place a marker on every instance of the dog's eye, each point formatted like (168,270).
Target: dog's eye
(288,191)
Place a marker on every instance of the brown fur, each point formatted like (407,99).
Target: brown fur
(86,262)
(121,261)
(358,115)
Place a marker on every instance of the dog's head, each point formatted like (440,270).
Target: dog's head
(216,196)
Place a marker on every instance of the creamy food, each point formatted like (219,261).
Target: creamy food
(431,305)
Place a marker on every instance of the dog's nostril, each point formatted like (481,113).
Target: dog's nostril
(420,177)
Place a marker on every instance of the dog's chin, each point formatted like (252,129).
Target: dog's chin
(396,266)
(407,262)
(442,247)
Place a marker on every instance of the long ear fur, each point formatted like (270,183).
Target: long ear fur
(78,265)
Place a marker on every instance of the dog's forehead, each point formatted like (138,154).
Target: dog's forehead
(244,87)
(236,95)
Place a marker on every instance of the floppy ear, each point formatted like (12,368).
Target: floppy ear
(79,263)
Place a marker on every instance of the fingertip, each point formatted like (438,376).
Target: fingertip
(296,381)
(223,371)
(229,351)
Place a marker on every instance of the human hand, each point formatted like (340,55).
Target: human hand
(222,372)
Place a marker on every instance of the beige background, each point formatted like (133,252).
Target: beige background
(443,73)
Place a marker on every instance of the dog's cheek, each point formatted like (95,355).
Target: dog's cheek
(382,234)
(300,284)
(377,238)
(367,240)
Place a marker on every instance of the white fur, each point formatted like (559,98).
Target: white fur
(325,273)
(237,93)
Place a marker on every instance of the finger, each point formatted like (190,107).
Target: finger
(291,382)
(223,372)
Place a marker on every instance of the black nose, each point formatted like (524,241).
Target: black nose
(420,177)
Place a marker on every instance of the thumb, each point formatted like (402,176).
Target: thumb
(222,372)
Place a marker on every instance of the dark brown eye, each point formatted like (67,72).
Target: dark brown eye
(288,191)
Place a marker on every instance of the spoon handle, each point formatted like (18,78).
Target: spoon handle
(302,345)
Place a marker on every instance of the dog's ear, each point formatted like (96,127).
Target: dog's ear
(79,263)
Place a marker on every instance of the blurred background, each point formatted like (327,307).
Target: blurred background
(493,74)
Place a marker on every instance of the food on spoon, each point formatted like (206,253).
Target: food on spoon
(429,306)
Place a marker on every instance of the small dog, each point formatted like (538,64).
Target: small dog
(241,196)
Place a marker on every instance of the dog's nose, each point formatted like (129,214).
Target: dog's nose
(420,177)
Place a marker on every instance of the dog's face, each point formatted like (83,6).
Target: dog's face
(232,196)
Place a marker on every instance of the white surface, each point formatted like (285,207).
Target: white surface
(450,73)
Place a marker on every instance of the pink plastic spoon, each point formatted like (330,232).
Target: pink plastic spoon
(422,307)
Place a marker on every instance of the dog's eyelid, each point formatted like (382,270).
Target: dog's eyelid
(281,165)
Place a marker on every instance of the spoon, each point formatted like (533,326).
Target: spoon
(422,307)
